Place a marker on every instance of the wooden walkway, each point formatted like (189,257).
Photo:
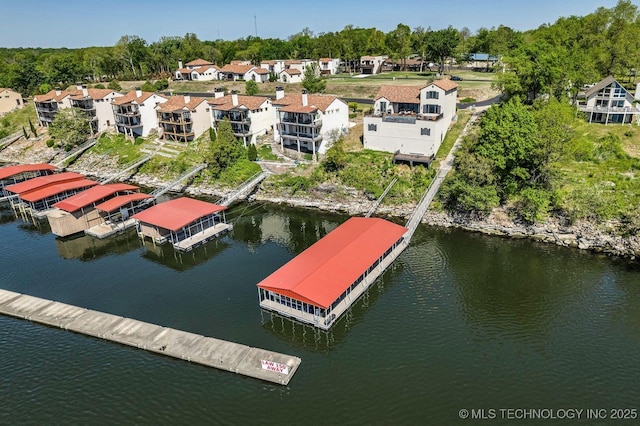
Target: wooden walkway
(241,359)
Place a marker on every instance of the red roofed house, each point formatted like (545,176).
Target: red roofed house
(9,100)
(47,105)
(183,118)
(198,70)
(135,113)
(10,175)
(291,75)
(183,221)
(96,103)
(236,71)
(322,282)
(78,212)
(309,122)
(250,116)
(411,120)
(274,66)
(259,75)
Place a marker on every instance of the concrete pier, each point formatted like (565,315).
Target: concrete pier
(241,359)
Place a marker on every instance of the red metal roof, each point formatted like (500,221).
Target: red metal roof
(321,273)
(92,195)
(43,181)
(176,214)
(121,200)
(8,171)
(49,191)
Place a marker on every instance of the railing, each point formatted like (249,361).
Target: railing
(375,205)
(88,144)
(46,109)
(244,187)
(189,173)
(176,120)
(303,120)
(8,140)
(609,109)
(128,167)
(302,136)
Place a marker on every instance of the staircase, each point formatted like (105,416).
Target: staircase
(163,148)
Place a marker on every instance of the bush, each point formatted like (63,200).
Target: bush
(139,141)
(534,204)
(252,153)
(50,143)
(353,115)
(114,85)
(99,86)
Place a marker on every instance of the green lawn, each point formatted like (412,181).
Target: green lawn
(14,121)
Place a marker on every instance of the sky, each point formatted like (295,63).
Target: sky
(75,23)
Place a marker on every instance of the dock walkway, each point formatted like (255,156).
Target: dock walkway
(202,237)
(241,359)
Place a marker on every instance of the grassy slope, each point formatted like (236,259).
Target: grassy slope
(14,121)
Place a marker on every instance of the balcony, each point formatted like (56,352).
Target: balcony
(127,111)
(84,105)
(241,129)
(307,137)
(302,119)
(46,107)
(232,117)
(609,110)
(128,121)
(408,118)
(175,119)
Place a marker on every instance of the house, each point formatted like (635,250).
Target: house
(372,64)
(329,66)
(411,120)
(47,105)
(183,118)
(250,116)
(135,113)
(309,122)
(96,103)
(481,61)
(184,222)
(199,70)
(291,75)
(275,67)
(259,75)
(10,100)
(408,64)
(235,72)
(609,102)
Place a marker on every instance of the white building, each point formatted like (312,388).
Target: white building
(96,103)
(275,67)
(309,123)
(329,66)
(236,72)
(259,75)
(198,70)
(10,100)
(609,102)
(135,113)
(291,75)
(250,116)
(183,118)
(372,64)
(411,120)
(47,105)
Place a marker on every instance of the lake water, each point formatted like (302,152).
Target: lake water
(462,321)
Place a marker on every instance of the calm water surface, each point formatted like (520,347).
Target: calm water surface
(460,321)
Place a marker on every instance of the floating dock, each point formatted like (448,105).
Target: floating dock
(240,359)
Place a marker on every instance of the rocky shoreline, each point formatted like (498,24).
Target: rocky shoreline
(583,235)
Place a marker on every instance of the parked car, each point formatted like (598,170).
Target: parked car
(456,78)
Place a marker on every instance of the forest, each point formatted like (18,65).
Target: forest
(548,60)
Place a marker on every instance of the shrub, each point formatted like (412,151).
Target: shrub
(50,143)
(534,204)
(99,86)
(252,153)
(114,85)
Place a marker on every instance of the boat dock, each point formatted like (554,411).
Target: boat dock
(240,359)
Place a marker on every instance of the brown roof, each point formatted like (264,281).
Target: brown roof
(445,84)
(261,71)
(225,103)
(237,69)
(325,59)
(292,61)
(240,62)
(132,97)
(93,94)
(176,103)
(293,71)
(51,96)
(601,85)
(205,68)
(198,62)
(293,103)
(403,94)
(184,70)
(269,62)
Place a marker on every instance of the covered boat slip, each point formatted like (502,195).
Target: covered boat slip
(43,182)
(115,214)
(322,282)
(78,212)
(10,175)
(40,201)
(185,222)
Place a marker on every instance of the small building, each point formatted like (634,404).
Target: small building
(322,282)
(96,103)
(183,118)
(291,75)
(10,175)
(184,222)
(309,122)
(482,62)
(10,100)
(329,66)
(235,72)
(43,181)
(135,113)
(250,116)
(411,120)
(609,102)
(372,64)
(42,199)
(259,75)
(47,105)
(78,212)
(115,214)
(197,70)
(275,66)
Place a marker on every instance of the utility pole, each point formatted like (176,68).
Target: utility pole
(255,24)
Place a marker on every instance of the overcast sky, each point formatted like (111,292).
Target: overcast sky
(74,23)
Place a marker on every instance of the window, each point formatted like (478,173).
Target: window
(383,107)
(425,131)
(431,109)
(373,127)
(432,94)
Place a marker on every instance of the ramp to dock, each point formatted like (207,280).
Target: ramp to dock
(240,359)
(186,175)
(244,188)
(127,169)
(79,150)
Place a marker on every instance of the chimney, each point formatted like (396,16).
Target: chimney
(305,98)
(218,92)
(78,86)
(58,91)
(234,97)
(85,92)
(138,92)
(187,99)
(279,92)
(179,63)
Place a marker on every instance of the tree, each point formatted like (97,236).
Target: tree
(70,127)
(336,158)
(313,80)
(132,50)
(114,85)
(252,152)
(399,42)
(441,45)
(33,129)
(251,88)
(225,150)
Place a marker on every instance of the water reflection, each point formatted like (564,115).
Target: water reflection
(88,248)
(165,254)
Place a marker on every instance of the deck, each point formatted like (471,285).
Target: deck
(105,230)
(202,237)
(241,359)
